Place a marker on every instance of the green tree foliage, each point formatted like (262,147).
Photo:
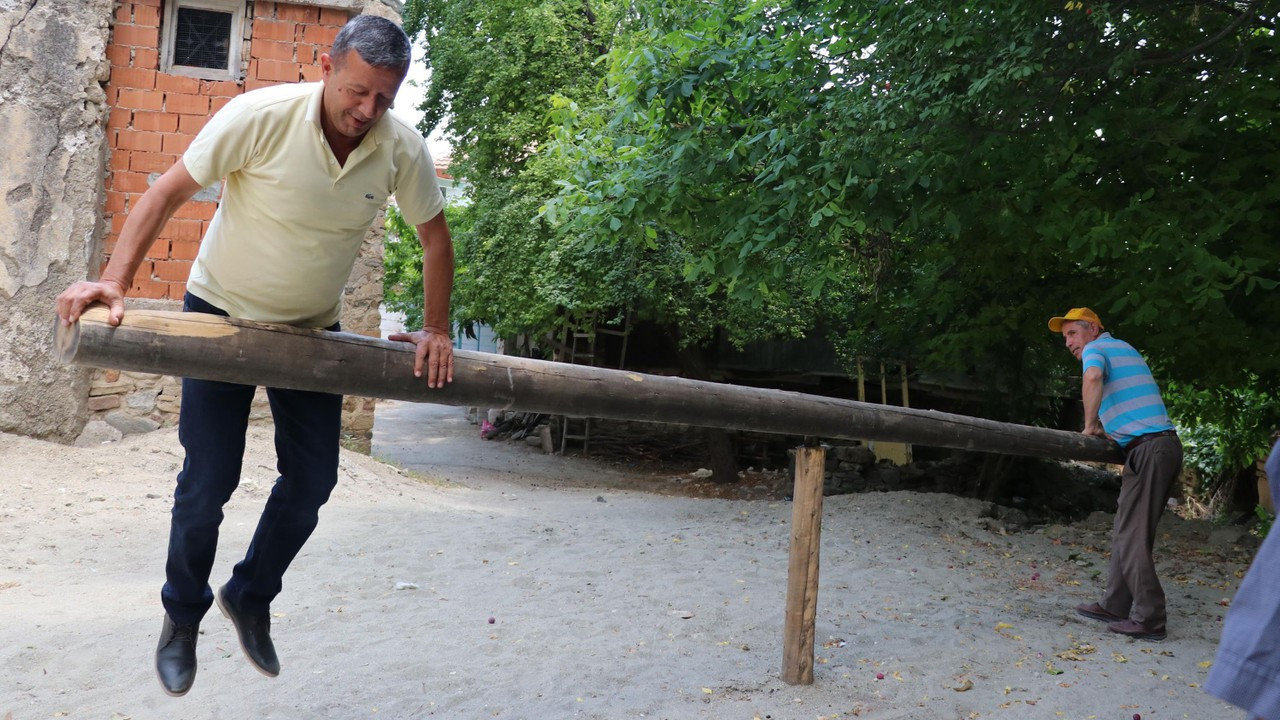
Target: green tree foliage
(509,76)
(495,66)
(402,262)
(1226,429)
(930,179)
(982,166)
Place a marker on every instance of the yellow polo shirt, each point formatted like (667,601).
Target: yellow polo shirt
(291,220)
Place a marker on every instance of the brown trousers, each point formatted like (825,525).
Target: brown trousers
(1132,586)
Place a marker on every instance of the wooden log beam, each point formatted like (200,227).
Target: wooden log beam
(216,348)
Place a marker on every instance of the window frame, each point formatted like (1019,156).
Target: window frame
(169,33)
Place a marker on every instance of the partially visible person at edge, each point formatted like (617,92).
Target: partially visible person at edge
(308,168)
(1246,672)
(1122,402)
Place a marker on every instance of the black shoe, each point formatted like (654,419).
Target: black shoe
(176,657)
(254,632)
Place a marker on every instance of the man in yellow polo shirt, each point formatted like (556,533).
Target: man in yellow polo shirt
(307,169)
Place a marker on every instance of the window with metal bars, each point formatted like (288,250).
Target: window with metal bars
(202,38)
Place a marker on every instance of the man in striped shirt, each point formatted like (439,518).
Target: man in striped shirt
(1122,402)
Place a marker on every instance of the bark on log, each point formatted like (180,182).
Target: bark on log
(217,348)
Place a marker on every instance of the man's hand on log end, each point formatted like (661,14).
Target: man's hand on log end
(1094,429)
(73,301)
(434,350)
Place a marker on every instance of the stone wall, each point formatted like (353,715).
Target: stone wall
(52,108)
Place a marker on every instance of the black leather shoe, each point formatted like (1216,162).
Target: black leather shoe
(176,657)
(254,632)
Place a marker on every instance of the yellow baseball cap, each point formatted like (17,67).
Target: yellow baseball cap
(1055,324)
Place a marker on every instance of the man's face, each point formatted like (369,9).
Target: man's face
(356,94)
(1076,334)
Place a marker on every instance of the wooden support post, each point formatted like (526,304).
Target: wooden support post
(802,571)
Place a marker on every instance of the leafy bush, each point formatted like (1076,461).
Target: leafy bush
(1224,432)
(1266,519)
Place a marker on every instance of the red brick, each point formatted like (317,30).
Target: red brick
(132,199)
(131,77)
(176,144)
(130,182)
(275,30)
(261,8)
(334,17)
(186,104)
(177,290)
(155,121)
(118,118)
(197,210)
(113,95)
(279,71)
(271,49)
(219,88)
(148,58)
(150,162)
(311,73)
(182,229)
(298,13)
(140,99)
(319,35)
(148,3)
(149,289)
(136,35)
(253,83)
(183,250)
(307,54)
(124,14)
(215,104)
(192,124)
(172,270)
(118,55)
(138,140)
(177,84)
(159,250)
(115,202)
(146,16)
(119,160)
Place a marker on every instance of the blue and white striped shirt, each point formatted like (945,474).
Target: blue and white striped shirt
(1131,404)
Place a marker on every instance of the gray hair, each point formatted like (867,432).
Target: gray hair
(379,42)
(1084,324)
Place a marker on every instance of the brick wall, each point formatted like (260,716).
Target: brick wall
(154,116)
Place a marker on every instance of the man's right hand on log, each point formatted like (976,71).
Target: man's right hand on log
(73,301)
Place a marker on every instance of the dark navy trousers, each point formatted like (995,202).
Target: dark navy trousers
(211,427)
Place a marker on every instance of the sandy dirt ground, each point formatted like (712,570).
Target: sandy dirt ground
(482,579)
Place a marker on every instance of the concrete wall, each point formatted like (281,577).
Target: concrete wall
(52,109)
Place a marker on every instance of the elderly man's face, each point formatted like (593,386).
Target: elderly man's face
(1077,334)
